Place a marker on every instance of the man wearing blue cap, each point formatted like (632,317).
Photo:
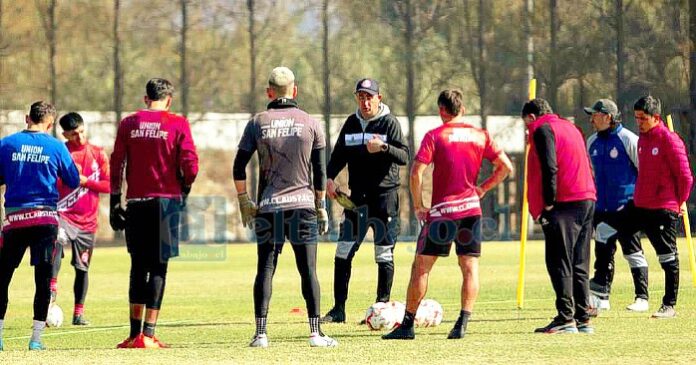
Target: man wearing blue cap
(372,146)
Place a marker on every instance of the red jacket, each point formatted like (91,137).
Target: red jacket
(157,152)
(80,206)
(664,175)
(558,167)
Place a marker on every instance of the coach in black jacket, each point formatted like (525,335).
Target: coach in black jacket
(372,146)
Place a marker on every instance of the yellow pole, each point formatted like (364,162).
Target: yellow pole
(525,216)
(687,224)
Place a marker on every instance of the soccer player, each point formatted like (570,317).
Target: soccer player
(562,197)
(456,150)
(78,209)
(31,161)
(155,149)
(370,137)
(290,146)
(614,154)
(663,185)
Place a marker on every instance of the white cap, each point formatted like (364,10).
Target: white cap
(281,76)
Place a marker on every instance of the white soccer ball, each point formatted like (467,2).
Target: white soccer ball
(429,314)
(384,316)
(55,316)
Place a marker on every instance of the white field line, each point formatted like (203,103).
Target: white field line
(101,329)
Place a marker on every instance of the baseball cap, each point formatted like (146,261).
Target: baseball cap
(281,76)
(605,106)
(369,86)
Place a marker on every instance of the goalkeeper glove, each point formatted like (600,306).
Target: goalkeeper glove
(322,216)
(247,208)
(117,216)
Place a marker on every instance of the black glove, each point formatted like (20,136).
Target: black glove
(117,216)
(185,191)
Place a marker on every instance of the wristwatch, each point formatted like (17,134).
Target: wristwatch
(384,147)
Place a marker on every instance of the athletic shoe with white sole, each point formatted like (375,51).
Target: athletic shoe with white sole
(321,340)
(259,341)
(665,312)
(585,327)
(640,305)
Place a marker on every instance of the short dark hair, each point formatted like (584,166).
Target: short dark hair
(648,105)
(40,110)
(452,100)
(70,121)
(537,107)
(158,89)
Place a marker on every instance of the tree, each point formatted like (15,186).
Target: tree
(327,87)
(553,81)
(48,21)
(118,70)
(184,80)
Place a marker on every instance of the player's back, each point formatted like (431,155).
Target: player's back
(458,150)
(30,165)
(157,148)
(285,138)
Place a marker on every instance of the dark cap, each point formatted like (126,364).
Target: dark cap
(605,106)
(369,86)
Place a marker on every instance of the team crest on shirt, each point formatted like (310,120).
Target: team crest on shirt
(655,151)
(614,153)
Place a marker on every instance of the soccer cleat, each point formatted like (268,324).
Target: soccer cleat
(334,316)
(665,312)
(79,320)
(321,340)
(259,341)
(126,344)
(457,332)
(640,305)
(585,327)
(558,327)
(401,333)
(36,346)
(147,342)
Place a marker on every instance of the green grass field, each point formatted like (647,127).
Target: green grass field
(208,315)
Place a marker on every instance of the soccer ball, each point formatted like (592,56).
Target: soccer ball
(383,315)
(429,314)
(55,316)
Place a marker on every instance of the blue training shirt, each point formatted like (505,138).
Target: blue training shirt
(30,164)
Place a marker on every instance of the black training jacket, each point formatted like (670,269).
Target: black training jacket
(369,172)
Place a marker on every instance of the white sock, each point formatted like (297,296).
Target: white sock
(37,330)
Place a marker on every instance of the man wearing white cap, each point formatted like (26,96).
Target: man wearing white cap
(292,179)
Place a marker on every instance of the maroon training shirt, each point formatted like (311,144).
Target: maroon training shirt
(157,152)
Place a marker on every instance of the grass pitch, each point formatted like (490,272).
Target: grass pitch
(207,315)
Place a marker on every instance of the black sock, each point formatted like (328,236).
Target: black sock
(463,318)
(408,320)
(314,325)
(136,326)
(260,325)
(149,329)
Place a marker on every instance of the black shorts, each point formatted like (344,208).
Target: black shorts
(299,226)
(435,238)
(152,229)
(41,240)
(81,243)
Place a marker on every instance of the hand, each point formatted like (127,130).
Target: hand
(548,207)
(331,189)
(375,145)
(83,180)
(480,192)
(247,208)
(322,221)
(422,213)
(185,191)
(117,216)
